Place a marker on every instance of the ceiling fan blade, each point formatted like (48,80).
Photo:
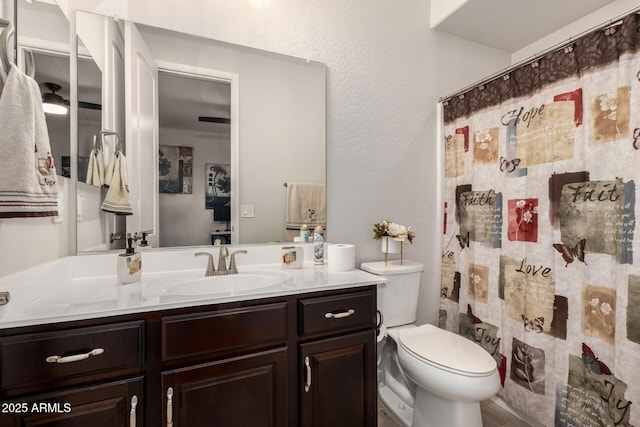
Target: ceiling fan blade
(207,119)
(85,105)
(89,105)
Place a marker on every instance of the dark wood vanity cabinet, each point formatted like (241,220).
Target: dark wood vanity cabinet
(338,369)
(248,390)
(300,360)
(239,376)
(117,403)
(72,376)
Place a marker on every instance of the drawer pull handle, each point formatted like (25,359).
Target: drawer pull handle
(74,357)
(307,386)
(170,407)
(132,414)
(340,315)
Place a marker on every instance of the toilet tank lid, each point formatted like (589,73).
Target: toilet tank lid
(392,267)
(447,349)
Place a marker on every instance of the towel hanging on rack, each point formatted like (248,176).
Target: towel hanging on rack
(5,34)
(117,199)
(95,171)
(27,173)
(306,204)
(109,172)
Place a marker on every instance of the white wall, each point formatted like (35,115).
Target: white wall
(386,71)
(27,242)
(4,10)
(595,19)
(440,9)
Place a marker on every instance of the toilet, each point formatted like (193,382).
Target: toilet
(427,377)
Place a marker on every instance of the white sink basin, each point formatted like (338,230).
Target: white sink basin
(234,283)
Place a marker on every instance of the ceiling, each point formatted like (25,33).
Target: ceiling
(185,98)
(181,99)
(511,25)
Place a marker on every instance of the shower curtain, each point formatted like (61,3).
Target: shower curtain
(538,262)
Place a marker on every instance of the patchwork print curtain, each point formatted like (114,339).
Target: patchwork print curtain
(540,262)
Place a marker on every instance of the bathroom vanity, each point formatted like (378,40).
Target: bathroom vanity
(301,354)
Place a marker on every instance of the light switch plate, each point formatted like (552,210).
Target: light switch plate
(246,211)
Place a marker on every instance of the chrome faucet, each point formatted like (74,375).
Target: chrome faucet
(223,254)
(232,267)
(211,270)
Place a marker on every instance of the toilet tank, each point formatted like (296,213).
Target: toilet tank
(398,298)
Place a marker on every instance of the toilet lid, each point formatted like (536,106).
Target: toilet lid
(451,351)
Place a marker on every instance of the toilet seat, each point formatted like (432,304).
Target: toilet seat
(446,350)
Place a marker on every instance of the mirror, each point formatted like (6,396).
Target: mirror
(279,103)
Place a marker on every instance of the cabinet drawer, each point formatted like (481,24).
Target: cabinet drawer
(337,312)
(32,359)
(224,330)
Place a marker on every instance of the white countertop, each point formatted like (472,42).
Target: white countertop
(77,288)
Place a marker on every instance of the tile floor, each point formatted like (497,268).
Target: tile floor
(492,416)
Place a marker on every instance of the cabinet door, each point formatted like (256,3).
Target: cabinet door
(338,381)
(244,391)
(116,404)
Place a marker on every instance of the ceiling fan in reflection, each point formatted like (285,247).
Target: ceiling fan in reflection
(53,103)
(208,119)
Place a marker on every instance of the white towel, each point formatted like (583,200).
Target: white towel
(117,199)
(108,173)
(95,171)
(27,173)
(306,204)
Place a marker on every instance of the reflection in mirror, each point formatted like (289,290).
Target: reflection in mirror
(48,45)
(195,143)
(276,107)
(98,143)
(52,75)
(275,133)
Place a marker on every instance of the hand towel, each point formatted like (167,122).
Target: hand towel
(95,171)
(117,199)
(306,204)
(27,173)
(108,173)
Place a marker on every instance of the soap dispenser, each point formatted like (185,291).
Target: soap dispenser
(304,233)
(143,245)
(129,264)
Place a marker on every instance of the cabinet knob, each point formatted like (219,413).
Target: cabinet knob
(307,364)
(132,414)
(339,315)
(74,357)
(170,407)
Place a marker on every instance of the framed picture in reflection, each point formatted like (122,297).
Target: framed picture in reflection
(175,169)
(218,189)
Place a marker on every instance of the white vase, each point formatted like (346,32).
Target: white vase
(390,246)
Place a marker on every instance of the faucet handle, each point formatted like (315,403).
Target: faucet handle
(210,268)
(232,268)
(223,253)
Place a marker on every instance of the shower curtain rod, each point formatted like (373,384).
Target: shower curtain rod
(610,23)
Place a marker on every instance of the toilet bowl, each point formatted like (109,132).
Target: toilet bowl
(452,376)
(427,377)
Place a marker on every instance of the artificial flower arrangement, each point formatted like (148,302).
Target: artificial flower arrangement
(390,232)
